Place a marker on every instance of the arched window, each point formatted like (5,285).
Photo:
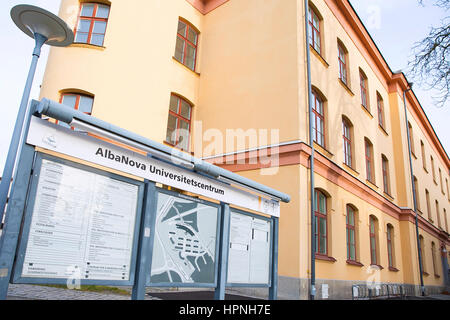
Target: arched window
(92,22)
(318,119)
(351,233)
(416,192)
(390,247)
(320,209)
(314,29)
(380,106)
(386,179)
(187,43)
(343,63)
(364,90)
(373,231)
(433,257)
(347,141)
(368,147)
(438,214)
(411,138)
(422,255)
(179,123)
(427,198)
(77,101)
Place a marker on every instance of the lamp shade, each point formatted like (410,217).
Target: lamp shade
(32,19)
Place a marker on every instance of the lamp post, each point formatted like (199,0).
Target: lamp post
(44,27)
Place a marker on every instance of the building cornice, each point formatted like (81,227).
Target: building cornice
(206,6)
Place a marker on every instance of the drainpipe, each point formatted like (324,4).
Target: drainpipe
(312,293)
(422,288)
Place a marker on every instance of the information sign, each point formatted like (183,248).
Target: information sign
(82,223)
(184,249)
(249,249)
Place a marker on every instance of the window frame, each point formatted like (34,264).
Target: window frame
(186,41)
(343,63)
(180,118)
(92,20)
(386,178)
(351,228)
(364,84)
(368,152)
(380,108)
(373,236)
(347,142)
(318,217)
(314,32)
(77,101)
(390,248)
(318,117)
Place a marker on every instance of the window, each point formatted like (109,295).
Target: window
(411,138)
(78,102)
(320,208)
(385,168)
(432,168)
(427,196)
(438,214)
(380,106)
(369,161)
(390,237)
(186,46)
(318,120)
(364,85)
(424,160)
(448,194)
(422,251)
(342,58)
(445,220)
(92,21)
(433,256)
(347,137)
(440,180)
(351,233)
(373,241)
(179,123)
(416,192)
(314,29)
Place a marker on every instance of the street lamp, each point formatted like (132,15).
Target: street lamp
(44,27)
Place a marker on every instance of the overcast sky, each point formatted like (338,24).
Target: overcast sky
(395,25)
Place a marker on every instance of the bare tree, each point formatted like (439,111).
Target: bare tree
(431,64)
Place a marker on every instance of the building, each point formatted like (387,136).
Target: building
(226,80)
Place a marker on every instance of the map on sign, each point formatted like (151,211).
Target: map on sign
(184,248)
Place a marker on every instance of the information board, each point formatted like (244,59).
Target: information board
(185,241)
(249,249)
(82,224)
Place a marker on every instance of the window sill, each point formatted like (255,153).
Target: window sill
(367,111)
(87,45)
(173,146)
(377,266)
(394,269)
(413,154)
(319,56)
(425,273)
(187,68)
(383,130)
(353,171)
(354,263)
(388,196)
(346,87)
(371,184)
(425,169)
(323,150)
(436,275)
(325,258)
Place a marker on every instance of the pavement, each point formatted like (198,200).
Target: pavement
(39,292)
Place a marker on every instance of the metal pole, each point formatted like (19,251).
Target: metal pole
(18,128)
(311,170)
(219,292)
(414,195)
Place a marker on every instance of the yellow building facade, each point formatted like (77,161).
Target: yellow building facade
(226,80)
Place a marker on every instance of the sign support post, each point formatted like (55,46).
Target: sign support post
(144,249)
(273,290)
(219,293)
